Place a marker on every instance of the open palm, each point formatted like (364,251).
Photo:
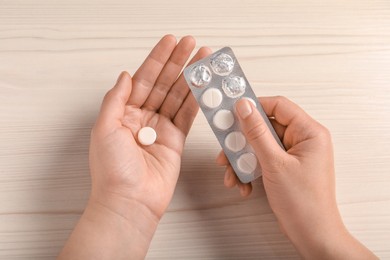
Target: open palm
(157,97)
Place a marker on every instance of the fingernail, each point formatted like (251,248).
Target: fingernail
(120,76)
(244,108)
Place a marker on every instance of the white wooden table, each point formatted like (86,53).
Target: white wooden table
(58,58)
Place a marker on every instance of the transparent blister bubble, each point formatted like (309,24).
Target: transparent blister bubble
(200,76)
(222,64)
(234,86)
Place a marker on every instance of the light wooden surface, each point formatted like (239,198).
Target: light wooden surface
(58,58)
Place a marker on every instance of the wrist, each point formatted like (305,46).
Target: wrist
(133,214)
(326,237)
(321,243)
(111,228)
(123,222)
(313,232)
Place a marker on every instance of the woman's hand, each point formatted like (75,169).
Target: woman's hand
(157,97)
(299,182)
(132,184)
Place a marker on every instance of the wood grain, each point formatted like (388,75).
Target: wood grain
(58,58)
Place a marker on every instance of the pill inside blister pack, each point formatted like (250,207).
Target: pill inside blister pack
(218,82)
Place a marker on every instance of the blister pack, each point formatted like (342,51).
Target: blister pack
(217,83)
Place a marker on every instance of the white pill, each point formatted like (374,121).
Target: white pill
(247,163)
(223,119)
(147,135)
(235,141)
(212,98)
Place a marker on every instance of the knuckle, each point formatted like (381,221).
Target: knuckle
(281,99)
(108,96)
(256,131)
(324,132)
(112,97)
(177,95)
(166,112)
(323,135)
(161,87)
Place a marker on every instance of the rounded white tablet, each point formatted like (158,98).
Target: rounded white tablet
(147,135)
(247,163)
(223,119)
(212,98)
(235,141)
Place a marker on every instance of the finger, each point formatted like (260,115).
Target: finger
(114,102)
(245,189)
(146,76)
(283,110)
(222,160)
(186,114)
(170,72)
(295,120)
(179,90)
(230,179)
(258,135)
(279,129)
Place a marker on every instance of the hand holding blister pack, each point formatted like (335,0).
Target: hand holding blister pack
(217,83)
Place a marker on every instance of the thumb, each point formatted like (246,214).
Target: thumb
(114,102)
(268,151)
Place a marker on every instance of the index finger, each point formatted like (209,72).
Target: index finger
(147,74)
(283,110)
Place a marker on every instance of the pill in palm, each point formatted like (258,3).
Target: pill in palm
(147,135)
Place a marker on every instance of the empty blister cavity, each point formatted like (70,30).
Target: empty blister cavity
(200,76)
(212,98)
(222,64)
(223,119)
(247,163)
(235,141)
(234,86)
